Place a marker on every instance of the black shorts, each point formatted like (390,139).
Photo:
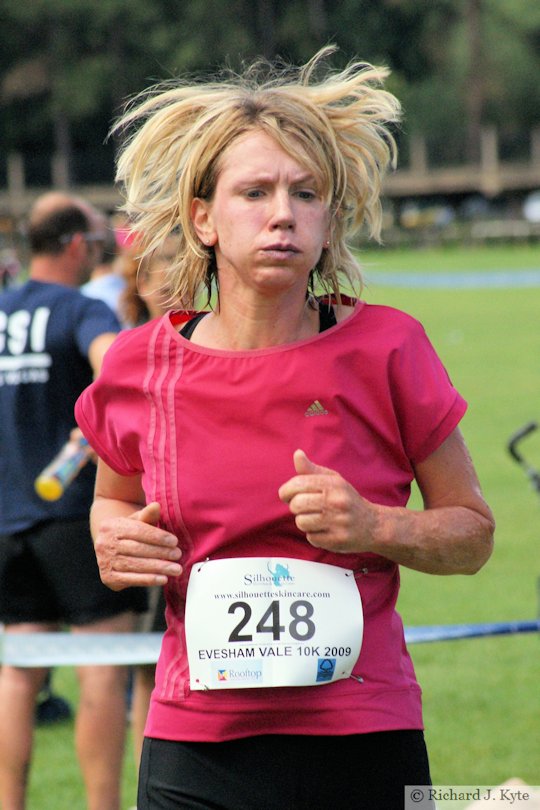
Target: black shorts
(283,772)
(153,621)
(49,573)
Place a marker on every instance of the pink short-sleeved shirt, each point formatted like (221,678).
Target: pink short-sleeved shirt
(213,432)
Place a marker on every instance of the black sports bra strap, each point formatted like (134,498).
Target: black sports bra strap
(327,316)
(188,329)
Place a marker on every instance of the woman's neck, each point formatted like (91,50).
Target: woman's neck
(241,325)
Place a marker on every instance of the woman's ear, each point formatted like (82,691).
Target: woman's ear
(329,230)
(201,216)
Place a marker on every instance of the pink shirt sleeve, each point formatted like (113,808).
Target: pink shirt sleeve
(111,411)
(428,407)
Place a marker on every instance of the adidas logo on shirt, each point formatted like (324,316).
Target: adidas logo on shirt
(316,409)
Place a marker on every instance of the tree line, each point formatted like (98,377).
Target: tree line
(68,66)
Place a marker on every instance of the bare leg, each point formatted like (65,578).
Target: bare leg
(100,727)
(143,685)
(19,688)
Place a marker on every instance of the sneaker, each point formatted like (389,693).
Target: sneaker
(53,709)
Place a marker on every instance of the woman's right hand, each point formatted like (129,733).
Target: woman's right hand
(134,551)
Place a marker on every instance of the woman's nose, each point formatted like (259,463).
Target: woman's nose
(282,211)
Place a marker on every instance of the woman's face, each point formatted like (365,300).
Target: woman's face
(267,220)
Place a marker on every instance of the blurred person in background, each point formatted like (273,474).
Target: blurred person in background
(52,342)
(106,282)
(146,294)
(50,708)
(256,459)
(10,267)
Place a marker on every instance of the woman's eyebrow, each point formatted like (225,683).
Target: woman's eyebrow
(261,178)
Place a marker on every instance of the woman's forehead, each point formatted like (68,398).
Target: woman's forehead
(257,150)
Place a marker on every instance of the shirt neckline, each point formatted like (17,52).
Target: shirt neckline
(189,345)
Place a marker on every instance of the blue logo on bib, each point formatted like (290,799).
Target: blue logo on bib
(325,669)
(279,573)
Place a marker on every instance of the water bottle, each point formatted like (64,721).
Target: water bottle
(52,482)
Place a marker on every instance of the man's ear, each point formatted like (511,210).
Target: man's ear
(201,216)
(76,244)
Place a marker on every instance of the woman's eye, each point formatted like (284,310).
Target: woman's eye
(305,194)
(254,193)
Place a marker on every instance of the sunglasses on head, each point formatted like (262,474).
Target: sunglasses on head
(88,237)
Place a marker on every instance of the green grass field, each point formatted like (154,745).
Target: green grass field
(481,696)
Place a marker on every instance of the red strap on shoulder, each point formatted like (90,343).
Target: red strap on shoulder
(182,316)
(346,300)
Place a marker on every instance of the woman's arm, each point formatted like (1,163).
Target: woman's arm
(130,548)
(452,535)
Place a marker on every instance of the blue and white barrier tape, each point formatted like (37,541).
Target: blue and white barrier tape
(450,632)
(79,649)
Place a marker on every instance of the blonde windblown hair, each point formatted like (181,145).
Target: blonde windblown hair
(176,135)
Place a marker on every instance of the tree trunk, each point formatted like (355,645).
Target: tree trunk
(266,27)
(317,18)
(59,58)
(62,160)
(474,101)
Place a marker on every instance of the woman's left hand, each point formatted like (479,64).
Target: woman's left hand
(453,534)
(328,509)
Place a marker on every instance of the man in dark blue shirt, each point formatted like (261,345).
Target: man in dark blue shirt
(52,341)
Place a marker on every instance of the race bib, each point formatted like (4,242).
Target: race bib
(262,621)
